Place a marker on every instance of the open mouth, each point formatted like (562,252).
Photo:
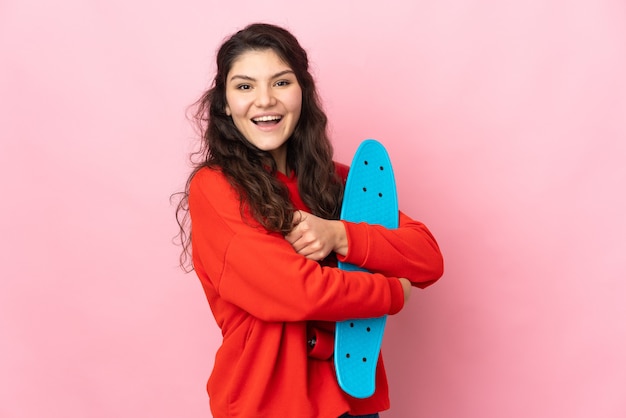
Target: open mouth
(267,120)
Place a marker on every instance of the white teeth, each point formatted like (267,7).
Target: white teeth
(266,118)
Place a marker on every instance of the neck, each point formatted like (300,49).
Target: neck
(280,158)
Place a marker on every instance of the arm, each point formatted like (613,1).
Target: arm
(260,273)
(409,251)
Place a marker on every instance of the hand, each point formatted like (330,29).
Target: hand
(406,287)
(315,238)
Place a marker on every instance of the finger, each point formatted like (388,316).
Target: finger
(297,234)
(293,236)
(316,256)
(304,246)
(298,216)
(313,250)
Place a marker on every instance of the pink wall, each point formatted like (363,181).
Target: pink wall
(507,127)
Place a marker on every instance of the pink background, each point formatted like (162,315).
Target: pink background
(506,123)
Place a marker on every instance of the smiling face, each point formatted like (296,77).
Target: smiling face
(264,100)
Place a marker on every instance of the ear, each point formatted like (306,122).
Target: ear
(227,110)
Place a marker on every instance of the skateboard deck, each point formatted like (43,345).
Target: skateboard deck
(370,196)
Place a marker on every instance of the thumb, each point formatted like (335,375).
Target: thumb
(298,216)
(294,235)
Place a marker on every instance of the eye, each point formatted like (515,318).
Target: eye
(243,87)
(282,83)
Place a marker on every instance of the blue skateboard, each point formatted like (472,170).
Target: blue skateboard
(370,196)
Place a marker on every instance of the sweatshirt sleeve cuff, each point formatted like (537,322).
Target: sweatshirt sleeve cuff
(397,296)
(358,244)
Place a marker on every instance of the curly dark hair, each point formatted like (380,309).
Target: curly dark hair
(251,171)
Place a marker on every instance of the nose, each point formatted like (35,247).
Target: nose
(265,97)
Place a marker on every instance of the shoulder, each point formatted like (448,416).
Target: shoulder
(214,203)
(210,186)
(209,179)
(341,170)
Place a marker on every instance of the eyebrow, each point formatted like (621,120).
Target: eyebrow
(246,77)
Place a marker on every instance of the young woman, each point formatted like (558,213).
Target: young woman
(263,203)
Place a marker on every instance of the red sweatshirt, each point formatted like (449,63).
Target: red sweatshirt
(267,300)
